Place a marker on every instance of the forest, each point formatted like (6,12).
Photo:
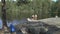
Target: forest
(26,8)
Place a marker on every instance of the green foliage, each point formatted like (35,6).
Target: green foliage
(20,2)
(55,9)
(24,9)
(0,9)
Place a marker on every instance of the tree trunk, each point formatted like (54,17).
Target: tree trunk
(4,13)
